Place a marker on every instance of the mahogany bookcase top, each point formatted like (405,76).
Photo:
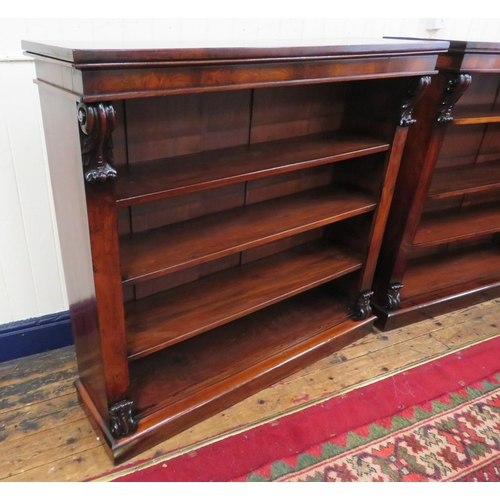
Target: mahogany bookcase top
(129,52)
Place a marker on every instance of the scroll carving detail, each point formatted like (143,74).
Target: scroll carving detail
(97,121)
(122,422)
(456,86)
(363,308)
(393,297)
(413,94)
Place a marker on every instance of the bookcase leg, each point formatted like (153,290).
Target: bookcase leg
(363,309)
(121,420)
(393,297)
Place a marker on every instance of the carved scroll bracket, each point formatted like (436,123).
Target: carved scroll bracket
(393,297)
(121,420)
(456,86)
(97,121)
(363,309)
(414,93)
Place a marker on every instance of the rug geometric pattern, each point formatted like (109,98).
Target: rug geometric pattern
(438,421)
(455,437)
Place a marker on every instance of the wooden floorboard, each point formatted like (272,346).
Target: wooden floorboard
(45,436)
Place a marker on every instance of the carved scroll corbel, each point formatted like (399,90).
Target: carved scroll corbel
(414,93)
(455,87)
(393,297)
(121,420)
(363,309)
(97,121)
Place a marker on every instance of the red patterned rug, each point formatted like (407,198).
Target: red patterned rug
(437,422)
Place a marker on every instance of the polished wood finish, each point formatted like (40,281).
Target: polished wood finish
(165,53)
(234,225)
(222,297)
(184,174)
(101,210)
(436,272)
(452,225)
(441,241)
(63,152)
(101,74)
(465,179)
(171,248)
(471,115)
(211,371)
(46,436)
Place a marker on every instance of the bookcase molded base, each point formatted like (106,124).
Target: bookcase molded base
(426,306)
(170,420)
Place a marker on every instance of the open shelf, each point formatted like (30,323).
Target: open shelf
(474,115)
(465,179)
(169,317)
(171,248)
(440,271)
(153,180)
(198,368)
(238,242)
(453,225)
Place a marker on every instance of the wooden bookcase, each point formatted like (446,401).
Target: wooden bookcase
(440,251)
(220,212)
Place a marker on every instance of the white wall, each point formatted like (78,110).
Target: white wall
(31,276)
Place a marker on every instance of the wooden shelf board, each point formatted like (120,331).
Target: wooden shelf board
(474,115)
(164,319)
(465,179)
(437,272)
(188,382)
(450,226)
(153,180)
(192,367)
(171,248)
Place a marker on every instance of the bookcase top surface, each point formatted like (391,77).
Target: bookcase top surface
(464,46)
(136,52)
(474,46)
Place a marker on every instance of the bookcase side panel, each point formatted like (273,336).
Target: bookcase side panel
(66,173)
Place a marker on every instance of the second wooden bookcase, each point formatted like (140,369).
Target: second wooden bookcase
(440,251)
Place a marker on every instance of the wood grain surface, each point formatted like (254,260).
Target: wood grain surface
(45,435)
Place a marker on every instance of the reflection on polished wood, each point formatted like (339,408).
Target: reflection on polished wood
(47,437)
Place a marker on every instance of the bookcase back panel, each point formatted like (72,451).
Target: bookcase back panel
(461,201)
(279,113)
(364,174)
(482,92)
(488,197)
(167,126)
(293,182)
(120,154)
(172,280)
(460,145)
(474,242)
(371,110)
(180,208)
(162,127)
(440,204)
(490,146)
